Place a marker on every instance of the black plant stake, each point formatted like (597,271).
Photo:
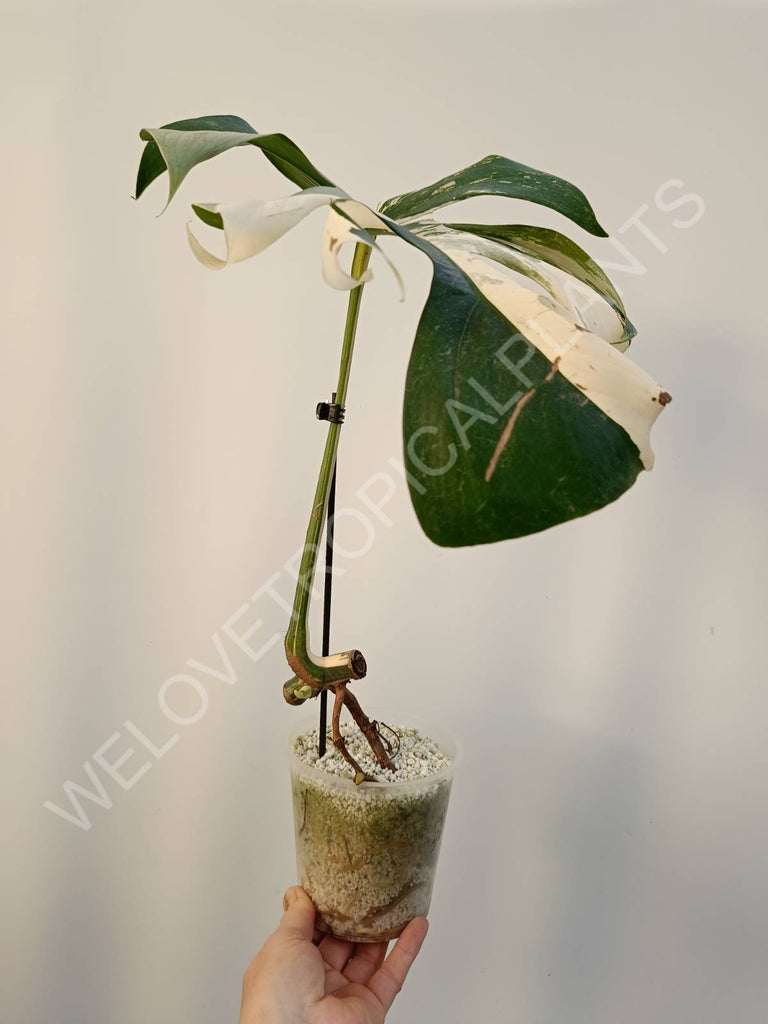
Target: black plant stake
(327,602)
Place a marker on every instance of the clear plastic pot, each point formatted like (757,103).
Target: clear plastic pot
(367,854)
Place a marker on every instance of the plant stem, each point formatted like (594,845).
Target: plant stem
(316,673)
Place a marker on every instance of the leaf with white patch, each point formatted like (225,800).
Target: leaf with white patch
(497,176)
(520,410)
(559,251)
(515,417)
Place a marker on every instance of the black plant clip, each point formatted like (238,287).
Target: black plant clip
(331,411)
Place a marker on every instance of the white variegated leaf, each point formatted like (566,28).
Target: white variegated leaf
(339,231)
(611,381)
(493,450)
(363,216)
(576,300)
(586,307)
(360,220)
(252,226)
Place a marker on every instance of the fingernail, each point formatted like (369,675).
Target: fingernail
(289,898)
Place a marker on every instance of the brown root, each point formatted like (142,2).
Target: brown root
(338,739)
(367,728)
(380,911)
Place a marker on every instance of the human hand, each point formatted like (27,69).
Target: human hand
(299,977)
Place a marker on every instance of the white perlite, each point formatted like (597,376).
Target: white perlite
(418,756)
(367,854)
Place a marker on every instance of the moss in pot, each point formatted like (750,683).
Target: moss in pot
(521,411)
(367,853)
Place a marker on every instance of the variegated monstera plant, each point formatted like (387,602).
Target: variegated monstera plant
(521,410)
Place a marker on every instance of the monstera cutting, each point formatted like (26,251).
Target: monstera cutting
(521,410)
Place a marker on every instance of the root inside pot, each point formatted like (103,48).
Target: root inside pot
(367,854)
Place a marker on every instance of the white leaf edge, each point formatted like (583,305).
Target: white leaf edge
(350,221)
(608,378)
(252,226)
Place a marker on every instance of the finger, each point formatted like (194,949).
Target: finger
(390,977)
(335,951)
(299,917)
(366,961)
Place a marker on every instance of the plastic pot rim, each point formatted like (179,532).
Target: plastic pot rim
(442,737)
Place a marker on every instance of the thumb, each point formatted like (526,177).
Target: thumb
(299,917)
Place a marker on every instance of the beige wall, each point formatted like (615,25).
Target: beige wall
(606,859)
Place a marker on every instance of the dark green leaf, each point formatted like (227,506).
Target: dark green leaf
(180,146)
(286,156)
(210,217)
(152,164)
(497,176)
